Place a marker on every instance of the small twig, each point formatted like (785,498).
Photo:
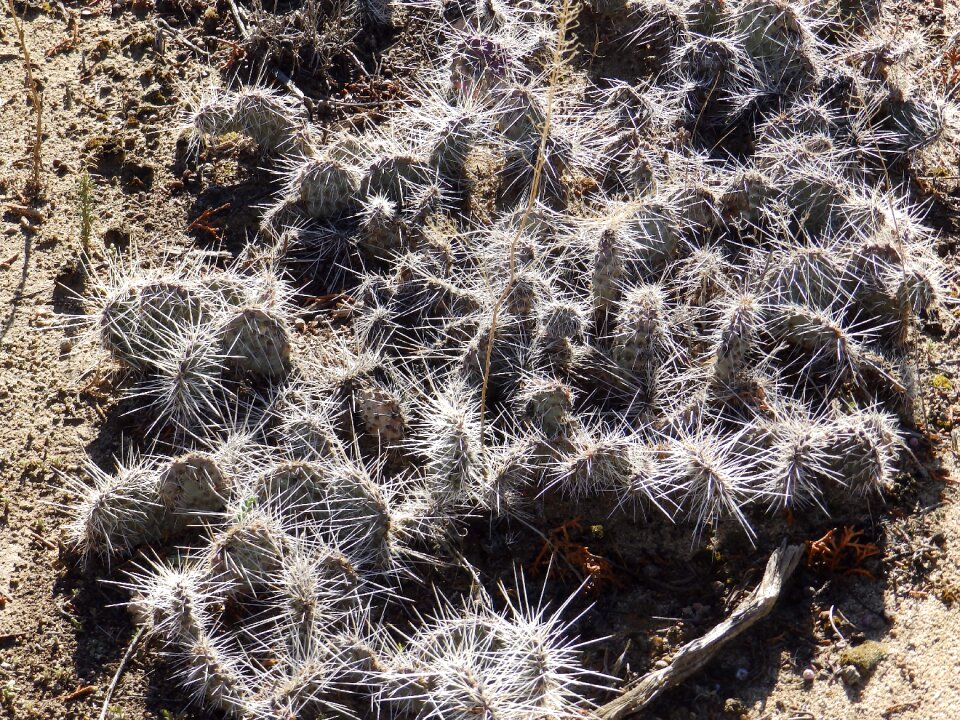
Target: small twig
(238,19)
(900,707)
(78,693)
(41,539)
(284,79)
(162,24)
(356,61)
(131,648)
(694,655)
(548,542)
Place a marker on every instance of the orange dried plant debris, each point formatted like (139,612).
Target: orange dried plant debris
(595,570)
(841,550)
(205,222)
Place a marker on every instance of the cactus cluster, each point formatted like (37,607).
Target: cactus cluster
(685,296)
(188,334)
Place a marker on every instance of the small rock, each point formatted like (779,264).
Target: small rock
(734,708)
(850,675)
(864,657)
(809,675)
(154,95)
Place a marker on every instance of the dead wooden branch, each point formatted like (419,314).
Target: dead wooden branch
(694,655)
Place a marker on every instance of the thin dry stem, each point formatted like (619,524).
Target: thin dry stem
(36,100)
(565,21)
(131,649)
(85,201)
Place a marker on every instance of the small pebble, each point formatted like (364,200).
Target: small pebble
(850,676)
(734,708)
(809,675)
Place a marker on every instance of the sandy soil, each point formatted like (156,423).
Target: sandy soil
(109,103)
(104,108)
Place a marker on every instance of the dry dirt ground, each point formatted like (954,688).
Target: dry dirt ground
(110,84)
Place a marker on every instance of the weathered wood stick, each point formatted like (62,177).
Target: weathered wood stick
(694,655)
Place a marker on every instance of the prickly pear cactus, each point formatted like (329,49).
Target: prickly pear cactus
(669,284)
